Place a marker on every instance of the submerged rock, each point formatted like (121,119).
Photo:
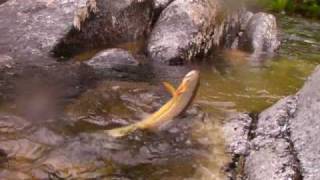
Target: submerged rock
(97,155)
(260,34)
(114,103)
(13,175)
(119,64)
(184,29)
(22,149)
(46,136)
(12,124)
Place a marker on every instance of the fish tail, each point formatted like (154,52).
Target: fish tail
(122,131)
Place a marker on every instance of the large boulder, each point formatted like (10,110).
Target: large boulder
(184,29)
(107,23)
(32,28)
(260,34)
(305,127)
(272,155)
(285,143)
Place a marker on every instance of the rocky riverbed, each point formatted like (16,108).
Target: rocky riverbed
(71,69)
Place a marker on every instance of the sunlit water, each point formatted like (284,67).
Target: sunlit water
(230,82)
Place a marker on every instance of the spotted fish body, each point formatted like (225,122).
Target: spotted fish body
(181,99)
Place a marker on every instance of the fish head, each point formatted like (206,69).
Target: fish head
(189,82)
(190,78)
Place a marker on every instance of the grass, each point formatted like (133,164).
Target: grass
(309,8)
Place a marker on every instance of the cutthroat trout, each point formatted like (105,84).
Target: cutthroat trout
(181,99)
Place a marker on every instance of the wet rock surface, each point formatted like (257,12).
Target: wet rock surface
(183,29)
(272,155)
(260,34)
(283,143)
(159,5)
(119,64)
(107,23)
(12,124)
(236,132)
(34,27)
(100,154)
(304,127)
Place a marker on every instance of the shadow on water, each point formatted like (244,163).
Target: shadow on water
(231,81)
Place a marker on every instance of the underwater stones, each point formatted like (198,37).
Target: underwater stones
(184,29)
(260,34)
(46,136)
(118,64)
(22,149)
(13,175)
(75,160)
(12,124)
(97,155)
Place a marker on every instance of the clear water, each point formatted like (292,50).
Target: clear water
(230,82)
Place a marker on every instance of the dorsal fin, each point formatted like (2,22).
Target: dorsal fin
(169,88)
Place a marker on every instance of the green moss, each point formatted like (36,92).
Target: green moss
(310,8)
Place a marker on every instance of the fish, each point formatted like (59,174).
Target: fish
(182,97)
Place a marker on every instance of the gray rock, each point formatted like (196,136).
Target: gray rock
(107,23)
(260,34)
(13,175)
(118,64)
(274,121)
(305,127)
(47,137)
(236,133)
(12,124)
(273,161)
(184,29)
(159,5)
(32,28)
(272,155)
(22,149)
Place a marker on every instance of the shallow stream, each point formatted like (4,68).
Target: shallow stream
(231,82)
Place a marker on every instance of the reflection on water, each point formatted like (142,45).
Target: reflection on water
(231,81)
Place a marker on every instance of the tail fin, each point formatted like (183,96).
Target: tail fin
(122,131)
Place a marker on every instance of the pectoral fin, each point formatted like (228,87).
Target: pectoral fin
(169,88)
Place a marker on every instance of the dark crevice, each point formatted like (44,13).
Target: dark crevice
(253,126)
(235,169)
(296,162)
(3,1)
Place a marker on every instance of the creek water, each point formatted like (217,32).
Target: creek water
(231,81)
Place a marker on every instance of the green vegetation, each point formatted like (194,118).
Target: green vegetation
(310,8)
